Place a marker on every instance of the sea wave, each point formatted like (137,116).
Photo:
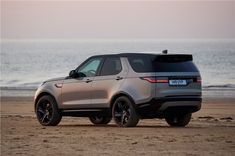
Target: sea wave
(18,88)
(219,86)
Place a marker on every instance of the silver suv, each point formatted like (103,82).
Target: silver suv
(126,87)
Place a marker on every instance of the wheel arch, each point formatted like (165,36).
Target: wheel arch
(119,94)
(41,95)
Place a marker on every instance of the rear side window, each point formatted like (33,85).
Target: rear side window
(142,64)
(111,66)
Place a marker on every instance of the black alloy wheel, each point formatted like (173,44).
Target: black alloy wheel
(124,113)
(178,119)
(47,111)
(100,120)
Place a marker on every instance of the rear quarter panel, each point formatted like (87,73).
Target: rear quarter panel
(140,90)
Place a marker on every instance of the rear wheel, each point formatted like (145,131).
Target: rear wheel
(179,119)
(100,120)
(47,111)
(124,113)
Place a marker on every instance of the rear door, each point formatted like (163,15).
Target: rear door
(108,81)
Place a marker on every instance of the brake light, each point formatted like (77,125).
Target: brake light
(153,79)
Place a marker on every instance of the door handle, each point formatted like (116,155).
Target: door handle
(88,80)
(119,78)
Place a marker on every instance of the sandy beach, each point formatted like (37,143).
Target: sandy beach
(210,132)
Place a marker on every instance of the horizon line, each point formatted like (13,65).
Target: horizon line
(111,39)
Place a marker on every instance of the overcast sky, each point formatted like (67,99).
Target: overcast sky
(117,19)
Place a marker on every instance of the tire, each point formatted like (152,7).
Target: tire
(47,111)
(178,120)
(124,113)
(100,120)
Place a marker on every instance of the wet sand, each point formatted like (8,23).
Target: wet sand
(210,132)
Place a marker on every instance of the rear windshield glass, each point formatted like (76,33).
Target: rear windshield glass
(142,64)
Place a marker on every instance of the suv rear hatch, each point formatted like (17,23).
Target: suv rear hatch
(177,75)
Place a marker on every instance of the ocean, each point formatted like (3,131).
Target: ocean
(27,63)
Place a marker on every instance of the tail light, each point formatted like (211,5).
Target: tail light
(199,80)
(153,79)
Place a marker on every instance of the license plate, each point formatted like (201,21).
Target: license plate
(177,82)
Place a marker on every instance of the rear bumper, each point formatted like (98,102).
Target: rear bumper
(159,107)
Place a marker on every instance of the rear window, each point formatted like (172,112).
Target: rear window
(112,66)
(162,63)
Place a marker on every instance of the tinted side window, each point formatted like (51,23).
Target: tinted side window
(111,66)
(141,64)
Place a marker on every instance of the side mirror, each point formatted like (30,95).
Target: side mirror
(74,74)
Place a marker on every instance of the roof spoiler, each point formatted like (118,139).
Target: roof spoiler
(174,58)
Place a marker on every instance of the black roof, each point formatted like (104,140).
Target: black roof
(125,54)
(139,54)
(159,57)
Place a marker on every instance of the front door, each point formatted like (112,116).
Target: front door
(76,92)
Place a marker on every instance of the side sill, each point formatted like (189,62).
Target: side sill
(86,112)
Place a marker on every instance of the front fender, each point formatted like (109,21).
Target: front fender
(49,89)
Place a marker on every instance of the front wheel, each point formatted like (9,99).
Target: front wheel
(124,113)
(100,120)
(47,111)
(178,120)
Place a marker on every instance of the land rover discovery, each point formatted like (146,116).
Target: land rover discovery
(124,87)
